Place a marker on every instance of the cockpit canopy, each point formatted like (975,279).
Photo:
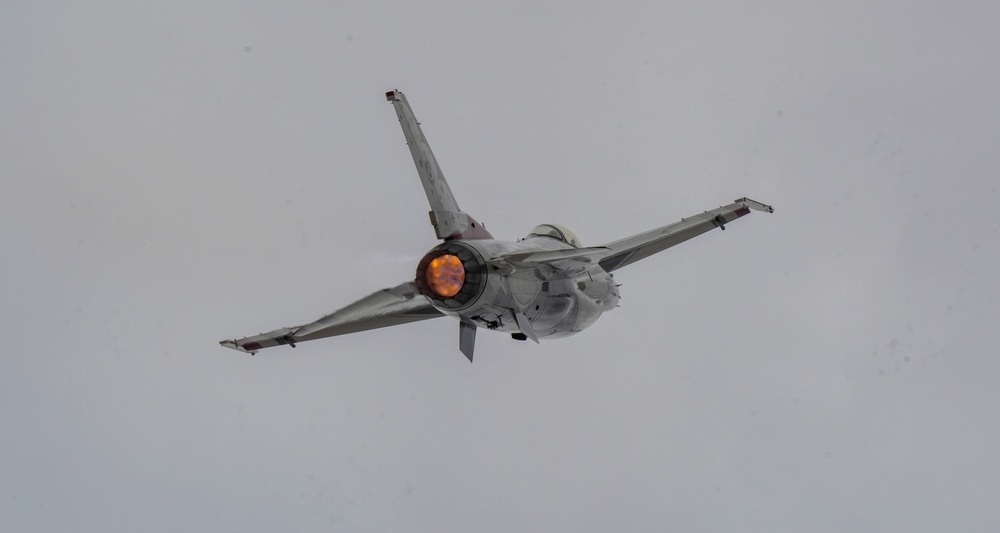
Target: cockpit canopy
(556,231)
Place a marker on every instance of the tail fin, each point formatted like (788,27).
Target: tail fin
(447,218)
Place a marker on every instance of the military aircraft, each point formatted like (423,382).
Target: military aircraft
(545,285)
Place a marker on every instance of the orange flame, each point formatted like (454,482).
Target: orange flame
(446,275)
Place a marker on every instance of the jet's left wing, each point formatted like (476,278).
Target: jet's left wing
(631,249)
(388,307)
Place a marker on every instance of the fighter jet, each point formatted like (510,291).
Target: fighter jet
(546,285)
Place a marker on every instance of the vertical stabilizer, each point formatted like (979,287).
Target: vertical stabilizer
(447,218)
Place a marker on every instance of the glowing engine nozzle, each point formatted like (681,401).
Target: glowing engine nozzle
(452,276)
(445,275)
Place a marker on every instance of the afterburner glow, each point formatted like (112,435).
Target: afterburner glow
(446,275)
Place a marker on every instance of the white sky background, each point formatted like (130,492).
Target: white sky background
(178,174)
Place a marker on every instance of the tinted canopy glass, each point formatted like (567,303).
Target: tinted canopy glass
(557,231)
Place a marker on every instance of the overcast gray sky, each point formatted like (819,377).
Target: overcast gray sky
(175,174)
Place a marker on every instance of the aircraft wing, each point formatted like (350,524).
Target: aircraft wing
(388,307)
(631,249)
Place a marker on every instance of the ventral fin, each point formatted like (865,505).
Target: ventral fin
(467,338)
(524,325)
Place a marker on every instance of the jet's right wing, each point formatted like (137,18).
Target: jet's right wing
(631,249)
(388,307)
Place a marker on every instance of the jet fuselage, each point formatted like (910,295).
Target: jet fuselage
(556,302)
